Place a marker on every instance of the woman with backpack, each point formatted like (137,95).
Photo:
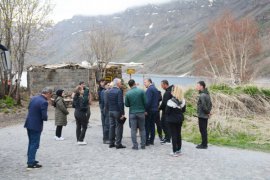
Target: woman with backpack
(61,113)
(176,106)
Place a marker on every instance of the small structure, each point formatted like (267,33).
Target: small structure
(65,76)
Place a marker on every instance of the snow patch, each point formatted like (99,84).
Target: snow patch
(154,14)
(116,17)
(211,3)
(76,32)
(151,26)
(146,34)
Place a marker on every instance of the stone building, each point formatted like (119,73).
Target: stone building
(64,76)
(67,77)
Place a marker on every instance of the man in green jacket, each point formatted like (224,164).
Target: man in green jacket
(204,107)
(136,101)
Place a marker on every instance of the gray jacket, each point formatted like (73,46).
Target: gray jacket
(204,105)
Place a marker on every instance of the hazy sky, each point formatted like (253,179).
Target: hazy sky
(65,9)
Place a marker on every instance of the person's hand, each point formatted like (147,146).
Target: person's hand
(145,113)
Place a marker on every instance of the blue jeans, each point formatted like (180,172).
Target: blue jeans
(150,126)
(34,139)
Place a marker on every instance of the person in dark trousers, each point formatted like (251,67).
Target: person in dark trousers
(158,122)
(37,113)
(106,125)
(116,114)
(80,115)
(166,96)
(152,103)
(204,107)
(136,101)
(175,108)
(100,89)
(86,99)
(61,113)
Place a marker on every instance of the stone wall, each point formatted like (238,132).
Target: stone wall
(66,79)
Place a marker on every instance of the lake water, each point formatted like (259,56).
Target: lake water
(187,81)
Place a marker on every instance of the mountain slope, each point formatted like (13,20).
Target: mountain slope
(161,36)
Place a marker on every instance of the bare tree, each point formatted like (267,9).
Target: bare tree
(28,19)
(228,49)
(104,44)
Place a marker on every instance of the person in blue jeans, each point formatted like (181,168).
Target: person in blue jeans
(152,104)
(37,113)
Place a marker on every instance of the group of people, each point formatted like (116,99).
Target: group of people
(144,113)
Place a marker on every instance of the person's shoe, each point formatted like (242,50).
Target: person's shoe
(174,154)
(120,146)
(35,166)
(200,146)
(151,143)
(178,152)
(59,138)
(82,143)
(111,145)
(168,142)
(161,138)
(147,144)
(135,148)
(142,147)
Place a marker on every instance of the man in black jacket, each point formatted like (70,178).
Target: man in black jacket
(204,107)
(167,95)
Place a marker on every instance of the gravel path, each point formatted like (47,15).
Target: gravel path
(67,160)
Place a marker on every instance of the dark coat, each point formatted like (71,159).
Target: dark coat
(152,98)
(37,113)
(80,108)
(204,105)
(175,111)
(167,95)
(116,100)
(60,112)
(100,89)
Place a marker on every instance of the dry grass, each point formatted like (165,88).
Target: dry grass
(241,117)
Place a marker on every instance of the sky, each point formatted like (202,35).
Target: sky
(66,9)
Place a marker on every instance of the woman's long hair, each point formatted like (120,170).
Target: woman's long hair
(178,92)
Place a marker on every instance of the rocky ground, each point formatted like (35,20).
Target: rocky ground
(67,160)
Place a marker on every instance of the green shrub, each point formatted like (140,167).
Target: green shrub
(252,90)
(266,92)
(224,88)
(8,101)
(190,93)
(190,110)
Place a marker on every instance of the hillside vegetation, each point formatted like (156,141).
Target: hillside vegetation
(241,117)
(161,36)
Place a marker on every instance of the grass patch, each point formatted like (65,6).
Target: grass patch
(238,140)
(7,102)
